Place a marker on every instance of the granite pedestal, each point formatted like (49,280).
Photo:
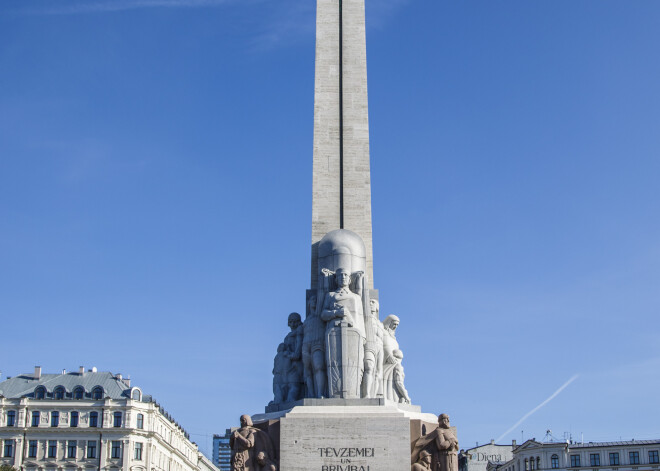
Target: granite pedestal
(347,434)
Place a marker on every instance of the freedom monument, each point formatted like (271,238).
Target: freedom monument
(340,402)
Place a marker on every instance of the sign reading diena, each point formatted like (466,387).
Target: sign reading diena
(345,458)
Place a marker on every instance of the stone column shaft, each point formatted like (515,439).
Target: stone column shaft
(341,170)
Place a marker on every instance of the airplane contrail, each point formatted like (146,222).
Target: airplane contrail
(524,417)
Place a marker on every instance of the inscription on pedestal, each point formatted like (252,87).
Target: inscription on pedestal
(348,459)
(344,439)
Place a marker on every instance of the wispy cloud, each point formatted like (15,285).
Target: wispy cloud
(289,21)
(527,415)
(380,12)
(101,6)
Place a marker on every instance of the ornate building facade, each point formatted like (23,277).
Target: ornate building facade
(641,455)
(87,421)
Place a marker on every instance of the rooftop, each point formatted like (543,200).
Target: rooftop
(25,385)
(113,386)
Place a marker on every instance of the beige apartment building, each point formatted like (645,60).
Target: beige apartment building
(89,420)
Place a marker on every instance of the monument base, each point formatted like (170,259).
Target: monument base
(356,435)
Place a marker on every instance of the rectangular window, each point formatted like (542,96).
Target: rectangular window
(54,419)
(575,461)
(74,419)
(138,452)
(117,419)
(91,449)
(634,457)
(52,448)
(32,449)
(653,457)
(71,448)
(36,415)
(93,419)
(614,459)
(11,418)
(594,459)
(9,448)
(115,451)
(140,421)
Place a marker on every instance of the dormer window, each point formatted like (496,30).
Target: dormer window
(136,395)
(79,392)
(97,393)
(40,393)
(58,393)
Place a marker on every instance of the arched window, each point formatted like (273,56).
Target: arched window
(538,462)
(117,421)
(97,393)
(531,464)
(40,392)
(94,419)
(58,393)
(136,395)
(526,465)
(79,392)
(554,462)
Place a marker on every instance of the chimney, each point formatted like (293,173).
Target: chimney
(81,370)
(94,369)
(37,372)
(492,441)
(63,371)
(127,381)
(119,378)
(513,443)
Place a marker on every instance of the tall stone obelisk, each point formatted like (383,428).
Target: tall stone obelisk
(339,399)
(341,173)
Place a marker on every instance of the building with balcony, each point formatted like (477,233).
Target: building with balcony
(637,455)
(222,451)
(89,420)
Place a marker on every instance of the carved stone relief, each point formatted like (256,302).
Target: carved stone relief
(247,443)
(441,444)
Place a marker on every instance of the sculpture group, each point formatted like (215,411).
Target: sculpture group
(437,451)
(252,449)
(342,349)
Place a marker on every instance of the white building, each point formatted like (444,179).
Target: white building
(477,458)
(88,421)
(639,455)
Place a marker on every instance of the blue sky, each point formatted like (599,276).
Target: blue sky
(155,202)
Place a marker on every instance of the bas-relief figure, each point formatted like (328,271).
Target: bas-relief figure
(246,443)
(442,445)
(293,351)
(345,335)
(265,463)
(423,462)
(313,351)
(372,382)
(393,388)
(342,304)
(281,366)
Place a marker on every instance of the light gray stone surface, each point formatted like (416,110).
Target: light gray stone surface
(334,438)
(275,411)
(327,171)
